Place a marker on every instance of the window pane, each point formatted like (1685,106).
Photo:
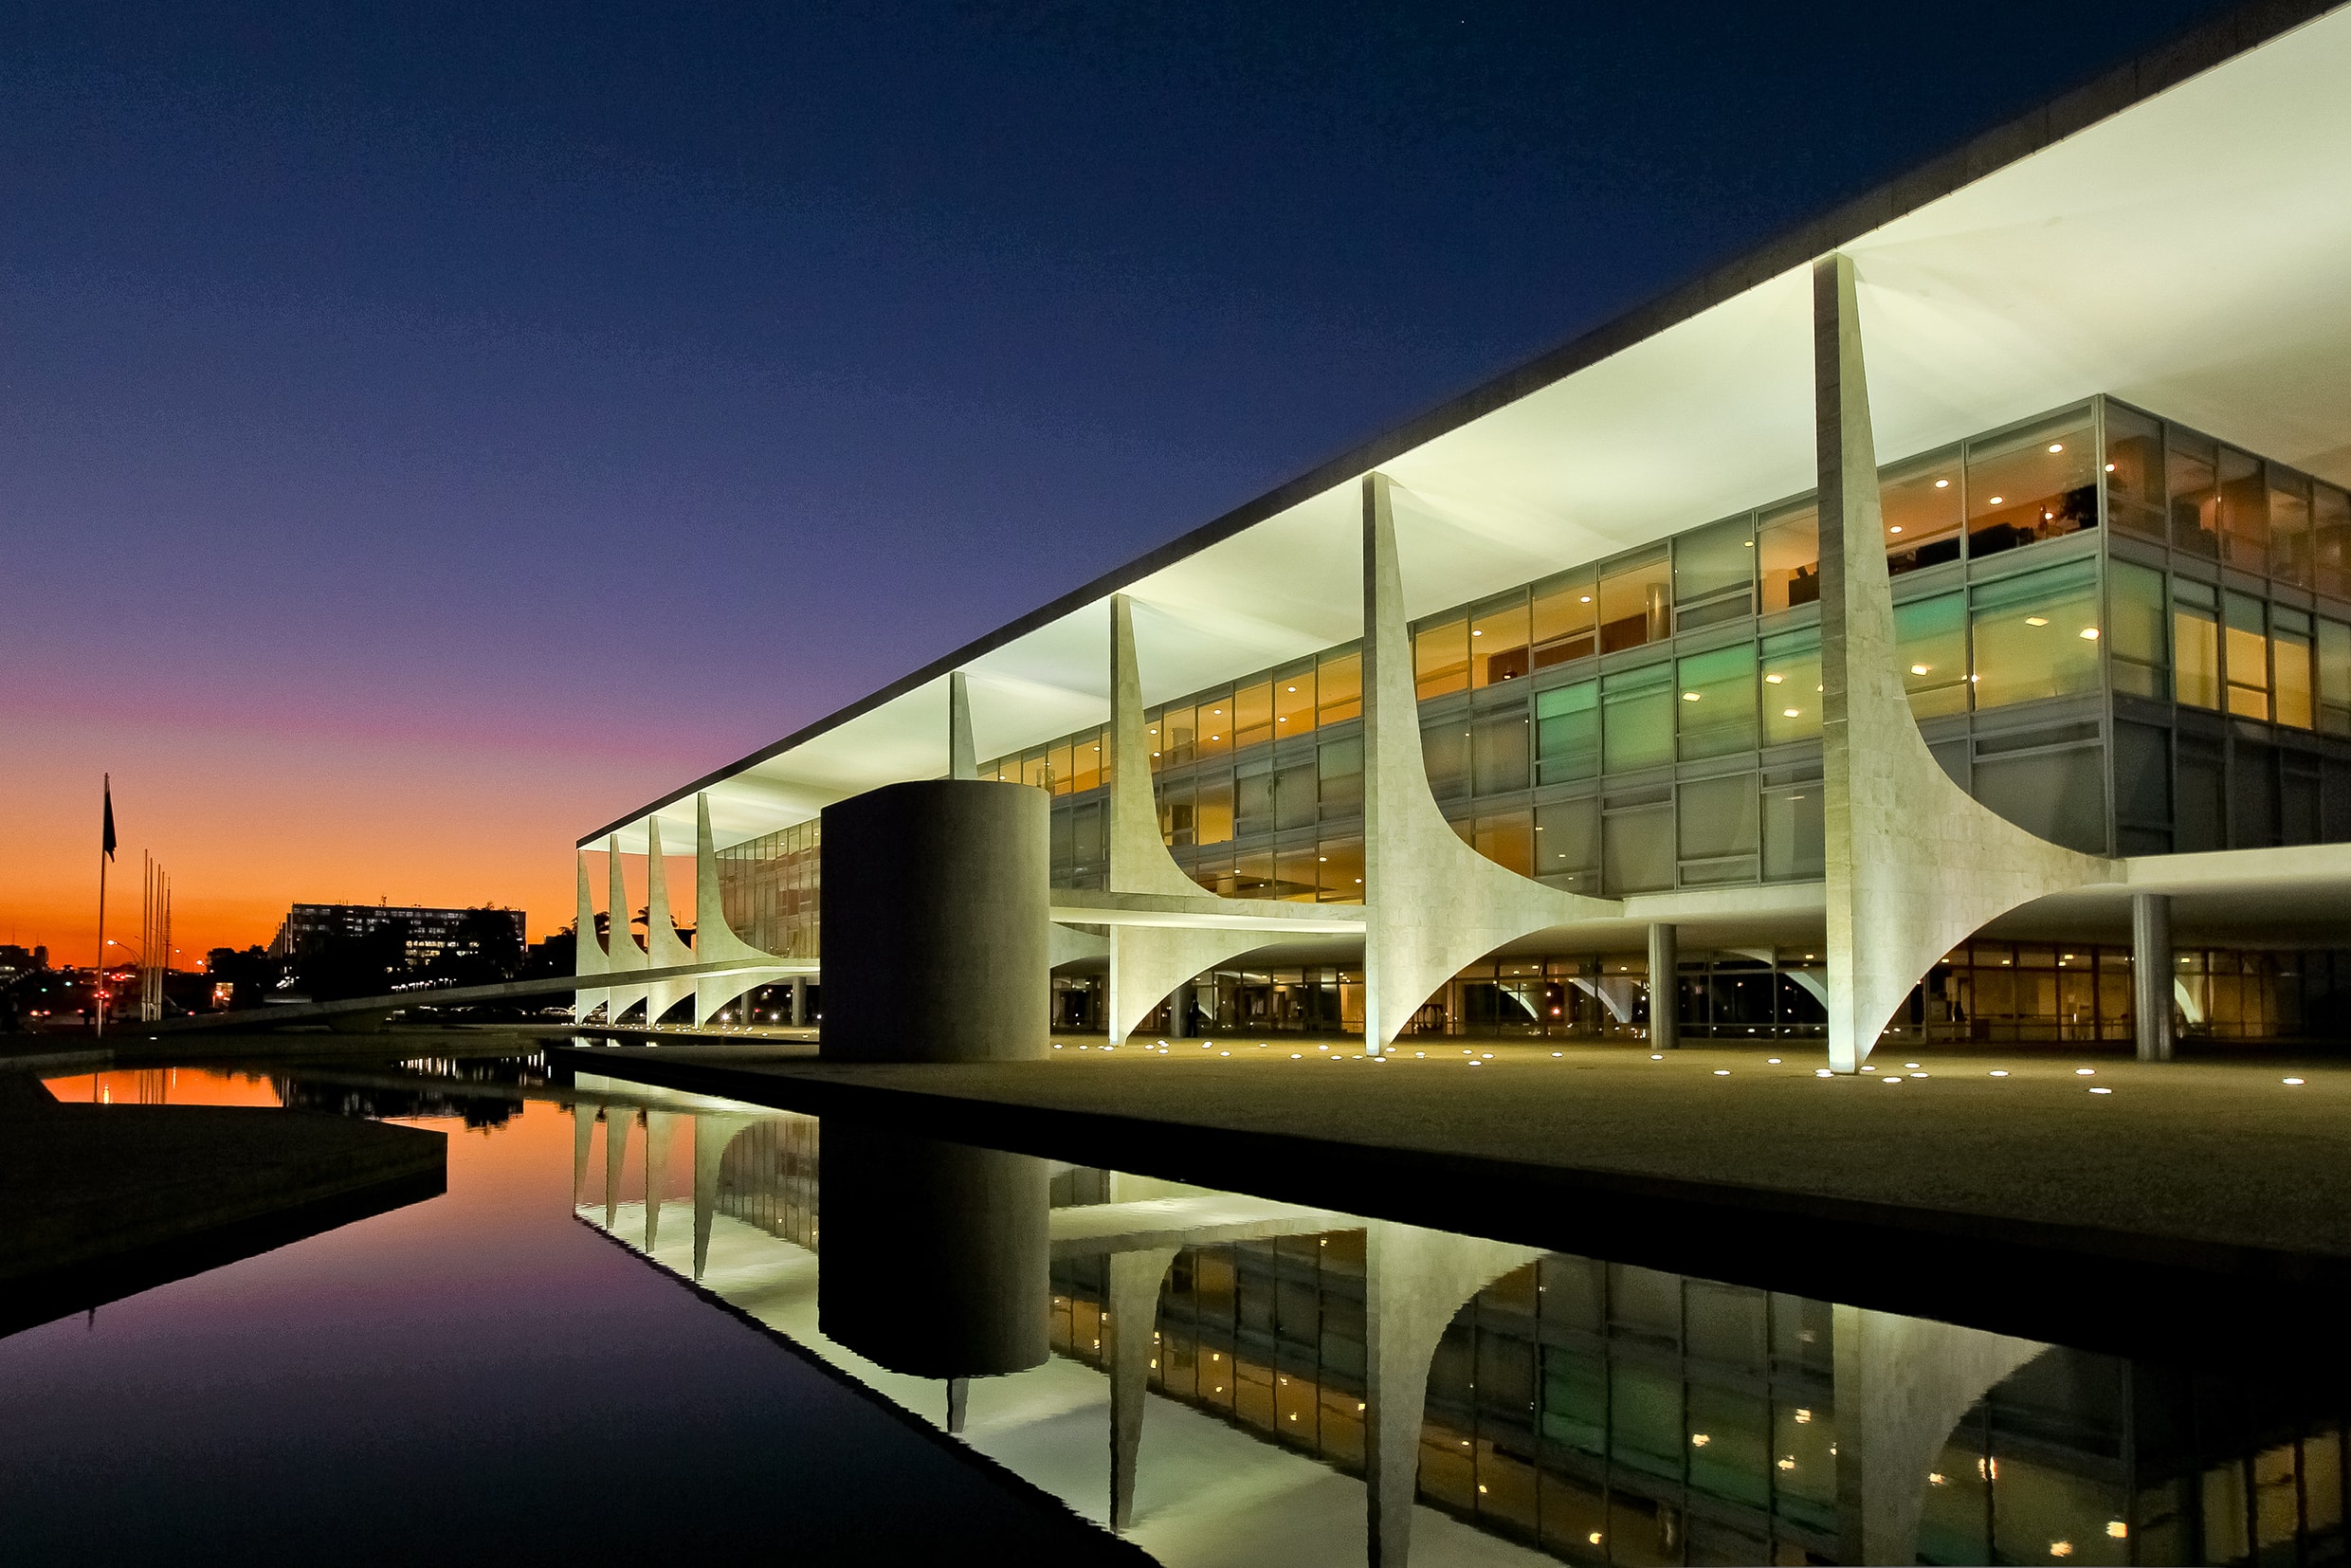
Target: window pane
(2289,527)
(1252,714)
(1216,725)
(2059,795)
(2244,512)
(2136,607)
(1499,750)
(2036,635)
(1441,659)
(2134,472)
(1340,763)
(1795,838)
(1567,723)
(1635,604)
(1566,616)
(1507,839)
(1637,718)
(1445,752)
(1086,761)
(1567,845)
(1175,736)
(2334,677)
(1788,555)
(1212,809)
(1790,687)
(1498,643)
(1718,817)
(1637,851)
(1921,502)
(1340,866)
(1717,701)
(1930,640)
(2036,485)
(1338,683)
(2196,644)
(1293,702)
(1713,559)
(2330,539)
(2245,653)
(1174,800)
(1253,802)
(2190,465)
(1296,795)
(1057,766)
(1037,768)
(2290,655)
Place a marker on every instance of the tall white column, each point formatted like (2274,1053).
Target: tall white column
(622,954)
(1433,904)
(1914,865)
(586,951)
(2151,974)
(1147,961)
(1664,987)
(664,948)
(962,756)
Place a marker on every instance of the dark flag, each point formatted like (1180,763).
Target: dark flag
(106,840)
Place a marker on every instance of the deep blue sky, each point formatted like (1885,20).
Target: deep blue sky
(640,383)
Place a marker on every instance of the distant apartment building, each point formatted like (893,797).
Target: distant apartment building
(426,934)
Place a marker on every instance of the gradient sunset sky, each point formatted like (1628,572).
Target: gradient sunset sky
(431,430)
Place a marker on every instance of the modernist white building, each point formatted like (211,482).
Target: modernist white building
(1938,620)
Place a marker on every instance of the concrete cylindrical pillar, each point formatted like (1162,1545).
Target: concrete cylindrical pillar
(934,924)
(1664,987)
(1179,1013)
(2151,974)
(938,1257)
(799,1001)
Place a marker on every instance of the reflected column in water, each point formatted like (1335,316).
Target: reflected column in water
(936,1255)
(658,1126)
(1414,1280)
(712,1134)
(1130,1332)
(583,1134)
(1901,1385)
(616,1123)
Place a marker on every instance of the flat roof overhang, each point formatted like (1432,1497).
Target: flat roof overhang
(2177,233)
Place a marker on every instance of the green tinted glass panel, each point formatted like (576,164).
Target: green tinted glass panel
(1715,701)
(1567,732)
(1791,687)
(1930,642)
(1637,718)
(2138,638)
(2036,635)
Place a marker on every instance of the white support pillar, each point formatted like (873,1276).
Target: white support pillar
(586,951)
(622,954)
(712,1134)
(658,1126)
(617,1121)
(2151,974)
(1433,904)
(1147,961)
(664,948)
(962,756)
(799,1001)
(715,941)
(1915,864)
(1664,987)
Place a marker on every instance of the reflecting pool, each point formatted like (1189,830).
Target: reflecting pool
(645,1320)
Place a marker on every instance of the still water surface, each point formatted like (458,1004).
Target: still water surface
(658,1323)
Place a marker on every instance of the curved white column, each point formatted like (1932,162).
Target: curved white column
(586,951)
(664,948)
(622,954)
(714,939)
(1915,864)
(1148,962)
(1433,904)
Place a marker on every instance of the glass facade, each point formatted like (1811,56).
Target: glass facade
(2118,632)
(768,889)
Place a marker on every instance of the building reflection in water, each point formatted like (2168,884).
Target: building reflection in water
(1234,1379)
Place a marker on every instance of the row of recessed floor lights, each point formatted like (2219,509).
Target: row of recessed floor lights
(1161,1047)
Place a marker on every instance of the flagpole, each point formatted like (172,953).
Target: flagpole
(97,992)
